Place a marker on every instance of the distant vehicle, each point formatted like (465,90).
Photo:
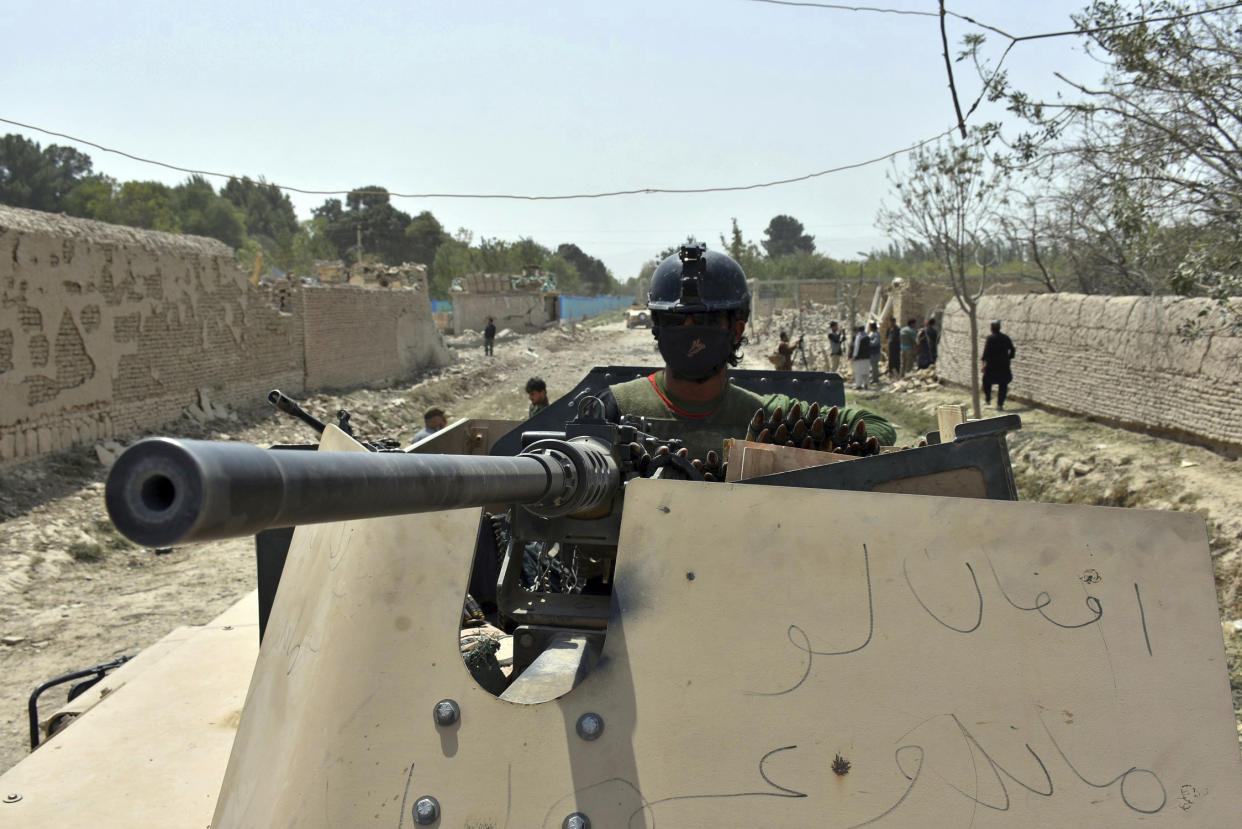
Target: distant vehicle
(637,318)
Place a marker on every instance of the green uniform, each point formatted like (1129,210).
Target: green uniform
(535,408)
(701,426)
(705,426)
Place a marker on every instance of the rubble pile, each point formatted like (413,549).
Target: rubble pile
(923,379)
(811,322)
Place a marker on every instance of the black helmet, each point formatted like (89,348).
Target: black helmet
(696,279)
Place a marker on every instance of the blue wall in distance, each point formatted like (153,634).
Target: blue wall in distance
(579,307)
(570,308)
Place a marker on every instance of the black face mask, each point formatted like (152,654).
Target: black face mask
(695,352)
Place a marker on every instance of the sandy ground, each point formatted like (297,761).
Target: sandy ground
(73,593)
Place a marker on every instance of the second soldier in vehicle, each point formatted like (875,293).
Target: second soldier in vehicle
(537,393)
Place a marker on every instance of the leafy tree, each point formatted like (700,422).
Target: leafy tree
(93,198)
(268,212)
(595,276)
(38,178)
(746,254)
(425,235)
(568,279)
(1148,162)
(201,211)
(949,199)
(785,237)
(147,204)
(363,198)
(367,213)
(330,211)
(310,244)
(455,258)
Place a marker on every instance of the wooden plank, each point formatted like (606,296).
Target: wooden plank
(950,416)
(756,459)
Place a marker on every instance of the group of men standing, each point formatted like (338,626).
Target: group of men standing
(906,347)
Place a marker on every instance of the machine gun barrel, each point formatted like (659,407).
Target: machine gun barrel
(166,491)
(289,406)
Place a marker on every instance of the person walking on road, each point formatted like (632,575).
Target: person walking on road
(926,342)
(489,337)
(877,349)
(908,333)
(998,350)
(836,339)
(861,354)
(894,348)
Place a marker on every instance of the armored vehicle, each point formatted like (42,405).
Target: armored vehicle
(774,636)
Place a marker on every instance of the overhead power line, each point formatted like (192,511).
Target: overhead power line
(639,191)
(1013,40)
(845,8)
(1138,21)
(944,12)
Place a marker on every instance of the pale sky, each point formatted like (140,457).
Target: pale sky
(554,97)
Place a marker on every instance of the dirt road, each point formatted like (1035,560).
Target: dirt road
(73,593)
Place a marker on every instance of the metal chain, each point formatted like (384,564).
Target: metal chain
(575,582)
(543,580)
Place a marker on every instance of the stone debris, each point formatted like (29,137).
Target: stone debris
(923,379)
(10,641)
(204,411)
(107,452)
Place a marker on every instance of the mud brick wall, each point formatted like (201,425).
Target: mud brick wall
(1118,359)
(105,330)
(109,331)
(357,335)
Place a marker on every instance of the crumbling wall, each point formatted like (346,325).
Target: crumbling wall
(521,312)
(106,331)
(1118,359)
(358,335)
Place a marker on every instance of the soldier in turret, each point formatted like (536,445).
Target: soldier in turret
(700,304)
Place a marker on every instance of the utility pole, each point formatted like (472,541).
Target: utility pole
(358,228)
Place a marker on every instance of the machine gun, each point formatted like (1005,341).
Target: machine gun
(289,406)
(546,545)
(559,503)
(166,491)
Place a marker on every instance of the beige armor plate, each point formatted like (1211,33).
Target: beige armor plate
(805,658)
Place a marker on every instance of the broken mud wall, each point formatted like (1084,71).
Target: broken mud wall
(107,331)
(357,335)
(1118,359)
(520,312)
